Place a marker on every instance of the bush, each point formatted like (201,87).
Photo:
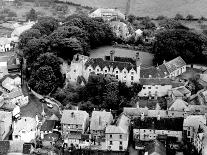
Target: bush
(161,17)
(178,17)
(189,17)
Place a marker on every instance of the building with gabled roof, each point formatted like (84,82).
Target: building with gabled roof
(178,105)
(107,14)
(117,136)
(99,121)
(74,123)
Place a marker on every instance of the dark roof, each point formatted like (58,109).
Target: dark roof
(173,124)
(48,125)
(4,147)
(51,137)
(85,137)
(175,64)
(104,63)
(125,59)
(155,81)
(154,72)
(12,76)
(157,147)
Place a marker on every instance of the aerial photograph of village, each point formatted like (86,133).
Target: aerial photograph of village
(103,77)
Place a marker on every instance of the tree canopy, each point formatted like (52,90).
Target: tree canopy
(172,43)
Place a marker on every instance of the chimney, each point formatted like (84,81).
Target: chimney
(137,59)
(112,52)
(164,61)
(72,114)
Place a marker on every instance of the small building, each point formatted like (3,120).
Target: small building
(49,126)
(25,129)
(107,14)
(74,123)
(117,136)
(99,121)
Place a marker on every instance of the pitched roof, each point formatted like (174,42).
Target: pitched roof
(48,125)
(4,147)
(174,64)
(100,119)
(153,72)
(178,105)
(104,63)
(54,117)
(122,125)
(155,81)
(173,124)
(156,147)
(74,117)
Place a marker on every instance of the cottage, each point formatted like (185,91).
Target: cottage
(117,136)
(5,124)
(107,14)
(74,123)
(25,129)
(99,121)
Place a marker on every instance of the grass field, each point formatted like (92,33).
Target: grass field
(152,8)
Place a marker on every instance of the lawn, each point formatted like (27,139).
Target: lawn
(50,10)
(146,58)
(152,8)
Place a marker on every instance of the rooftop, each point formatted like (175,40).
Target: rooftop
(48,125)
(100,119)
(74,117)
(174,64)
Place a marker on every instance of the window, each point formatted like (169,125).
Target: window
(132,83)
(117,77)
(110,143)
(156,87)
(188,133)
(16,136)
(149,87)
(120,147)
(132,78)
(120,143)
(132,73)
(143,87)
(124,72)
(105,71)
(117,72)
(76,126)
(89,70)
(74,70)
(110,136)
(120,136)
(97,70)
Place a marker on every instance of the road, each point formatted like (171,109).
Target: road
(34,107)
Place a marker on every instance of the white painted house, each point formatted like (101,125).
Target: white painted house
(25,129)
(117,136)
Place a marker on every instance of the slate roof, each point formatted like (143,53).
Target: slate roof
(172,124)
(104,63)
(48,125)
(153,72)
(74,117)
(4,147)
(174,64)
(121,127)
(156,148)
(155,81)
(100,119)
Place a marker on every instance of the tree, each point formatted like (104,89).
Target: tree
(189,17)
(32,15)
(131,18)
(147,23)
(43,81)
(161,17)
(28,35)
(49,59)
(172,43)
(46,25)
(172,24)
(178,17)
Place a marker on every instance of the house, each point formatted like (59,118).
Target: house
(191,125)
(15,97)
(155,87)
(151,128)
(99,121)
(6,44)
(4,147)
(120,29)
(175,67)
(107,14)
(25,129)
(117,136)
(155,148)
(11,82)
(74,123)
(5,124)
(48,127)
(178,105)
(123,69)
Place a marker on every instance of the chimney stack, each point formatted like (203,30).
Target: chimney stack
(112,52)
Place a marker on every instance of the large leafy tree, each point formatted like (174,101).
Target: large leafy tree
(172,43)
(32,15)
(43,81)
